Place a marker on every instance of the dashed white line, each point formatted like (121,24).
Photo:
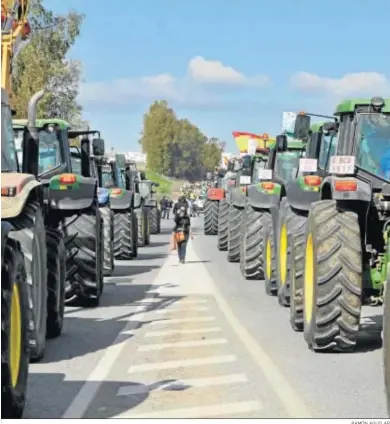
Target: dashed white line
(190,343)
(177,309)
(182,331)
(206,411)
(182,384)
(192,362)
(182,320)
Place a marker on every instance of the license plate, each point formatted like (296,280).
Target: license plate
(264,174)
(342,165)
(308,165)
(245,180)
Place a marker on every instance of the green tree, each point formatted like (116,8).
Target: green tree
(177,147)
(42,62)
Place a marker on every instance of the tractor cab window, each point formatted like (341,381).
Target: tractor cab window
(9,160)
(49,151)
(327,150)
(120,178)
(18,137)
(373,144)
(107,180)
(287,165)
(75,159)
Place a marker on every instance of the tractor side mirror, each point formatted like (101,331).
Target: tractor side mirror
(98,147)
(302,127)
(330,127)
(281,143)
(156,184)
(142,176)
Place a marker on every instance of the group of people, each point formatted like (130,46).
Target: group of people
(165,205)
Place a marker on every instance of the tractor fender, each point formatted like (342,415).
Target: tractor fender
(300,197)
(238,197)
(23,185)
(79,195)
(121,201)
(360,190)
(262,200)
(137,200)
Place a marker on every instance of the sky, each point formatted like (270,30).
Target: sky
(227,65)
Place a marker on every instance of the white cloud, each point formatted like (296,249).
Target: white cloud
(188,91)
(215,72)
(361,83)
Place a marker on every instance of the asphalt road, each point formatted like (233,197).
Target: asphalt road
(197,340)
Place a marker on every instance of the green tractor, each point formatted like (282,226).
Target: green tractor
(123,203)
(72,209)
(147,190)
(261,214)
(346,238)
(227,182)
(134,179)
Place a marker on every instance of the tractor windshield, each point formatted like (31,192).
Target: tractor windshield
(49,151)
(373,144)
(107,180)
(258,166)
(287,164)
(75,159)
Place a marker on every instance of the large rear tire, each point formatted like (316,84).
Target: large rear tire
(223,225)
(155,220)
(141,222)
(134,235)
(333,278)
(211,208)
(56,274)
(123,235)
(108,240)
(386,339)
(84,251)
(32,238)
(297,266)
(291,221)
(251,260)
(234,233)
(15,355)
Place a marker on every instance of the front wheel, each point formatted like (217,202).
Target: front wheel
(15,356)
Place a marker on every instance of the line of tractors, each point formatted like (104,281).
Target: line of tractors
(67,211)
(308,212)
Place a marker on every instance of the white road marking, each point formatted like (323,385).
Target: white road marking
(182,384)
(182,320)
(193,362)
(88,391)
(178,309)
(206,411)
(190,343)
(182,331)
(291,401)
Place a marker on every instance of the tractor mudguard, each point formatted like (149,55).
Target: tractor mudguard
(103,196)
(215,194)
(345,188)
(261,199)
(238,197)
(121,201)
(299,196)
(71,195)
(6,228)
(22,185)
(137,200)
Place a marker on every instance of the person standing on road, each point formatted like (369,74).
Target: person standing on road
(163,206)
(181,202)
(182,232)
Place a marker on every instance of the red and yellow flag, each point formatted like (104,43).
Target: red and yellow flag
(264,142)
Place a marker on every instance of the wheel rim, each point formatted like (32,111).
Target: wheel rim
(309,279)
(283,255)
(268,258)
(15,347)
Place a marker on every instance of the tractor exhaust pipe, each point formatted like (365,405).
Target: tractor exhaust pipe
(31,137)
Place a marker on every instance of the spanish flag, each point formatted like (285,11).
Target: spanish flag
(243,139)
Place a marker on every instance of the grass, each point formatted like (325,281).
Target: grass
(165,185)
